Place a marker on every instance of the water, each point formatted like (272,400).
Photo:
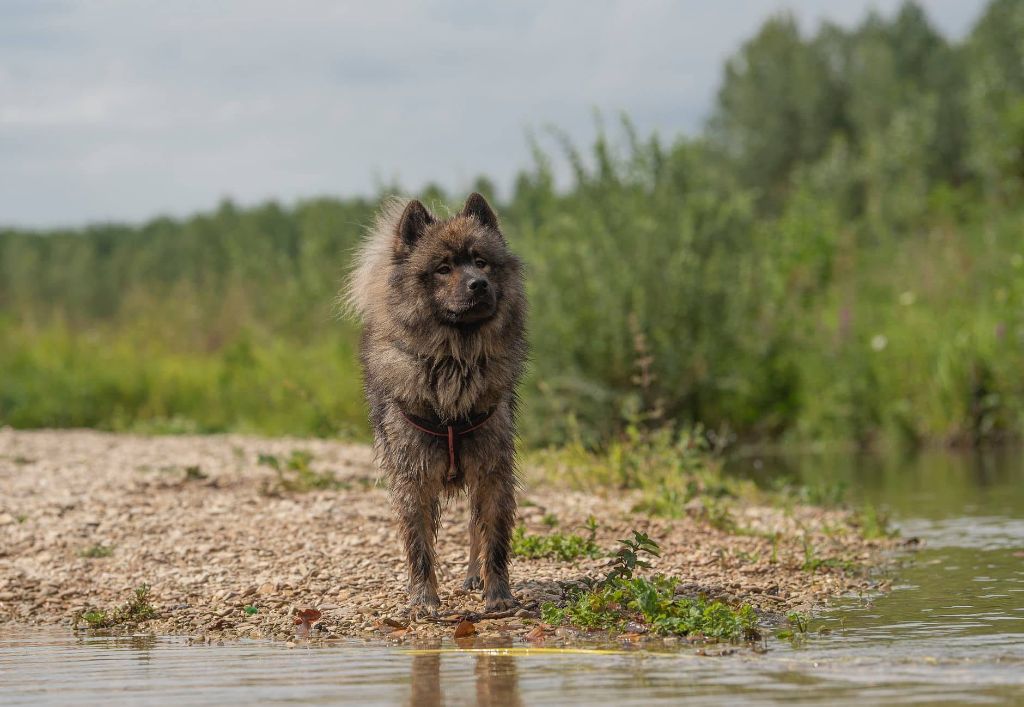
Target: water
(950,631)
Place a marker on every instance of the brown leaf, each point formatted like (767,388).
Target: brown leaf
(464,628)
(537,633)
(394,623)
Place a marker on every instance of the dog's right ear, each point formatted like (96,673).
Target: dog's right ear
(413,223)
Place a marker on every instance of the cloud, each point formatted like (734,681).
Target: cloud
(122,110)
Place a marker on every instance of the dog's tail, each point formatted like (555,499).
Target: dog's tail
(367,281)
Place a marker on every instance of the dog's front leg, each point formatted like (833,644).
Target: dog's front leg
(418,512)
(494,512)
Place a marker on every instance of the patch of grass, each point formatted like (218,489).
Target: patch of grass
(135,611)
(195,473)
(550,520)
(874,523)
(97,551)
(296,475)
(819,492)
(812,562)
(561,546)
(796,627)
(250,610)
(20,518)
(623,601)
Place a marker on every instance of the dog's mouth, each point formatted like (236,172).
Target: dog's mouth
(472,312)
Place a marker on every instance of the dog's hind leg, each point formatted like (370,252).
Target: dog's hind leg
(473,580)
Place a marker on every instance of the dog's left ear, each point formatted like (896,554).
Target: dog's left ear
(477,207)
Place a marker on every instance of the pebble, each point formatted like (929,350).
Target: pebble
(207,550)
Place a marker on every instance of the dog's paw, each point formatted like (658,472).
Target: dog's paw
(423,604)
(473,583)
(500,601)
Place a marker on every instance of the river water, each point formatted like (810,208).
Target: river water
(950,631)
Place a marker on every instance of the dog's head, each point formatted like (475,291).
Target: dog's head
(457,270)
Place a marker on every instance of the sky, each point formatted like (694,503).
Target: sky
(123,111)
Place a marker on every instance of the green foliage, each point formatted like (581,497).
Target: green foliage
(97,551)
(135,611)
(629,557)
(562,546)
(295,475)
(837,258)
(622,599)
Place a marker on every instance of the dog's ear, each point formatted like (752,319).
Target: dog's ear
(413,222)
(477,207)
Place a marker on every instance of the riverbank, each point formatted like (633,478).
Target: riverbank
(235,534)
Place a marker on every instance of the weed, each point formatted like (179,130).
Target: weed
(97,551)
(20,518)
(812,563)
(874,523)
(562,546)
(622,599)
(195,473)
(134,612)
(550,520)
(250,610)
(295,475)
(627,559)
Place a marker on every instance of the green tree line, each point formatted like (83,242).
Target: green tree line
(839,256)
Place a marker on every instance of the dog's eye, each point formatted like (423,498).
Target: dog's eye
(443,269)
(481,263)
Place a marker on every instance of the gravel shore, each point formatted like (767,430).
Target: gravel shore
(230,552)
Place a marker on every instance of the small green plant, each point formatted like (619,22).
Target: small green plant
(550,520)
(134,612)
(561,546)
(628,558)
(622,600)
(818,492)
(874,523)
(250,610)
(195,473)
(97,551)
(795,630)
(295,474)
(812,562)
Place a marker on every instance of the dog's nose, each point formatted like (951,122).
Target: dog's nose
(478,284)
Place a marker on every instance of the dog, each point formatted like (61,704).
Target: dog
(443,307)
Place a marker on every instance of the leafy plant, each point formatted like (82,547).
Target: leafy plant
(135,611)
(97,551)
(296,474)
(561,546)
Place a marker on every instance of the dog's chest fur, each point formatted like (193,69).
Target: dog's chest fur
(454,386)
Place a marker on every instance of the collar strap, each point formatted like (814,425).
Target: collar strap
(450,432)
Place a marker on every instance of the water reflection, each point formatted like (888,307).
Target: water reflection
(495,675)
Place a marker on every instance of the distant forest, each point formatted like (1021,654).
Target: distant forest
(839,256)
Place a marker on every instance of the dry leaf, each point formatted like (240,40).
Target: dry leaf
(465,628)
(394,623)
(305,618)
(537,633)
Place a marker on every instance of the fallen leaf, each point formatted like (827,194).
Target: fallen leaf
(464,628)
(305,618)
(537,633)
(394,623)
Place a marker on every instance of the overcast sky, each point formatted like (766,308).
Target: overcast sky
(126,110)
